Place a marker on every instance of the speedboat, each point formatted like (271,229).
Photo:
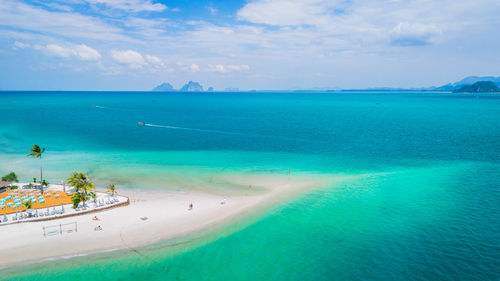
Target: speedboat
(141,123)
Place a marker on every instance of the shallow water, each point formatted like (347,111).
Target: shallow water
(426,206)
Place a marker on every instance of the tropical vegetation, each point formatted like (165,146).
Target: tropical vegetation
(479,87)
(111,189)
(37,152)
(28,204)
(84,188)
(10,177)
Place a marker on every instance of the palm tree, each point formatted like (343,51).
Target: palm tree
(37,152)
(111,189)
(83,186)
(93,195)
(76,180)
(27,204)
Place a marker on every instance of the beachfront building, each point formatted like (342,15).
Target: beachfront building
(4,186)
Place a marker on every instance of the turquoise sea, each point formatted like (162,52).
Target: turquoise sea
(424,205)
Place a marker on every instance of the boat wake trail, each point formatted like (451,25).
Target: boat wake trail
(209,131)
(200,130)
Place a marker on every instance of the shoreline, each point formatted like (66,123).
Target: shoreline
(167,216)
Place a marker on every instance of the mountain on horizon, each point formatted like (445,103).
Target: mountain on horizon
(164,87)
(478,87)
(192,87)
(469,80)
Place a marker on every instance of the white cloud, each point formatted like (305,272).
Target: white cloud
(413,34)
(220,68)
(194,67)
(242,67)
(57,6)
(82,51)
(131,5)
(154,60)
(227,68)
(146,28)
(366,23)
(128,57)
(21,45)
(289,12)
(18,15)
(58,51)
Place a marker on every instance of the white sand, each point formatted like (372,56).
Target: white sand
(167,213)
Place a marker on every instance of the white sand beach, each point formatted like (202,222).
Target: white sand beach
(167,216)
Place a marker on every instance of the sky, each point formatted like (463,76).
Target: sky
(254,44)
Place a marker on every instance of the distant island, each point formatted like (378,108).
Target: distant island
(190,86)
(468,81)
(470,84)
(479,87)
(164,87)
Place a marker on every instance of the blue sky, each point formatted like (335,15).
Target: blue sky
(254,44)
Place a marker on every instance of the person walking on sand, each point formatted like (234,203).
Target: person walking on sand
(190,207)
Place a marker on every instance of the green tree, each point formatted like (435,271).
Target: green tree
(111,189)
(10,177)
(37,152)
(76,198)
(93,195)
(27,204)
(83,187)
